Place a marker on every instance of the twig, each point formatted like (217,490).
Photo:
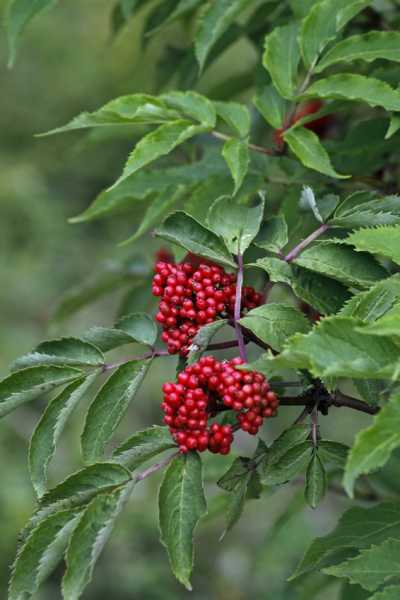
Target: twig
(301,417)
(221,136)
(266,292)
(238,300)
(305,242)
(314,425)
(156,467)
(336,399)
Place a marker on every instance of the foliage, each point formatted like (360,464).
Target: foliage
(331,236)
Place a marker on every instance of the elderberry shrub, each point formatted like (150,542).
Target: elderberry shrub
(203,389)
(192,298)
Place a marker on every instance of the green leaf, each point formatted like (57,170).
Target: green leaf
(372,567)
(389,593)
(18,15)
(369,390)
(236,155)
(205,195)
(41,553)
(248,488)
(272,106)
(370,305)
(301,8)
(326,295)
(316,481)
(48,431)
(158,143)
(307,146)
(142,446)
(136,327)
(368,46)
(335,347)
(202,339)
(354,87)
(158,208)
(63,352)
(335,260)
(327,205)
(181,504)
(380,240)
(307,202)
(386,326)
(290,463)
(281,58)
(182,230)
(273,234)
(181,10)
(213,23)
(240,469)
(127,7)
(289,438)
(235,115)
(394,125)
(375,444)
(89,538)
(275,323)
(358,527)
(22,386)
(109,406)
(335,452)
(326,109)
(193,104)
(236,224)
(322,24)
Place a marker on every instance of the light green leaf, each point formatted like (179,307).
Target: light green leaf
(236,155)
(326,295)
(235,115)
(394,125)
(368,46)
(202,339)
(372,567)
(142,446)
(19,14)
(369,390)
(272,106)
(50,427)
(136,327)
(290,463)
(316,481)
(289,438)
(322,24)
(41,553)
(273,234)
(235,223)
(181,504)
(375,444)
(109,406)
(307,146)
(213,23)
(335,347)
(158,143)
(370,305)
(335,452)
(354,87)
(389,593)
(158,208)
(182,230)
(335,260)
(275,323)
(193,104)
(281,58)
(307,202)
(386,326)
(22,386)
(358,527)
(89,538)
(63,352)
(380,240)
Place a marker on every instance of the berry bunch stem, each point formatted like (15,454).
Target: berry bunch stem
(239,285)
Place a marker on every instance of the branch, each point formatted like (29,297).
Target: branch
(156,467)
(305,242)
(336,399)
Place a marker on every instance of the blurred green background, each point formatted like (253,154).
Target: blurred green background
(67,64)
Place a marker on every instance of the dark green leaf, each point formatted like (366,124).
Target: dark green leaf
(248,488)
(181,10)
(202,339)
(370,305)
(63,352)
(394,125)
(306,145)
(50,427)
(273,234)
(239,470)
(335,452)
(22,386)
(272,106)
(380,240)
(292,436)
(235,115)
(236,155)
(181,504)
(136,327)
(369,390)
(109,406)
(142,446)
(288,464)
(301,8)
(316,481)
(281,58)
(182,230)
(389,593)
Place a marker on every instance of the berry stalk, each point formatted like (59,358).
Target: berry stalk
(237,306)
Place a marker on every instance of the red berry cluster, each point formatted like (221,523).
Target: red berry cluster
(191,298)
(202,390)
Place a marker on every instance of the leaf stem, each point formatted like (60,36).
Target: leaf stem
(224,137)
(266,292)
(238,299)
(305,242)
(156,467)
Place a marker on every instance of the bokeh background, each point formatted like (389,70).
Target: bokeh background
(69,63)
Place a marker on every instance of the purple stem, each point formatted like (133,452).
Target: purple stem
(305,242)
(237,306)
(156,467)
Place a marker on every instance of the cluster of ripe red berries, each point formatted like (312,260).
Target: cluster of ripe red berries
(205,388)
(192,298)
